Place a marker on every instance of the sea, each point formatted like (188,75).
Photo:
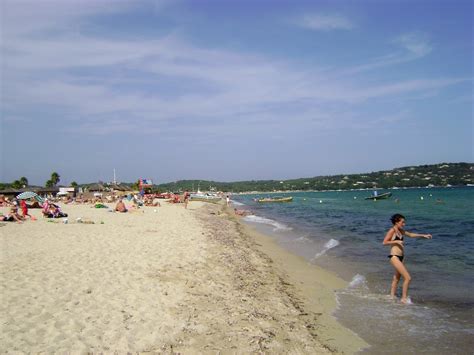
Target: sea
(342,232)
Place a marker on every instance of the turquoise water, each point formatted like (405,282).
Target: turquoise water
(343,232)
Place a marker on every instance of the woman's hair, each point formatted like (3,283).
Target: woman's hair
(396,218)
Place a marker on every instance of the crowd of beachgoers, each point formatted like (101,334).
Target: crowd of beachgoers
(51,208)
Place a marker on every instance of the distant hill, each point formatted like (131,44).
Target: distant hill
(444,174)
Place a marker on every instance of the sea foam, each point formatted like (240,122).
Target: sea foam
(332,243)
(357,281)
(263,220)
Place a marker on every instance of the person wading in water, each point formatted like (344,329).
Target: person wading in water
(394,238)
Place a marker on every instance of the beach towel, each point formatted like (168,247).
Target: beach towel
(100,205)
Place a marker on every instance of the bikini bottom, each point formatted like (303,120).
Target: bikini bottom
(398,256)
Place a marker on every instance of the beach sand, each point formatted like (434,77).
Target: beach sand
(174,280)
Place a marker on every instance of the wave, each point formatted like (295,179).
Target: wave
(263,220)
(236,203)
(357,281)
(302,239)
(332,243)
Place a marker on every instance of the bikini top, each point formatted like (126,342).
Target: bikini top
(397,237)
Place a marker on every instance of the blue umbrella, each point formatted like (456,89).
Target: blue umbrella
(26,195)
(39,199)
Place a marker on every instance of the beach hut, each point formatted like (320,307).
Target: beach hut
(119,188)
(10,192)
(47,191)
(66,191)
(96,189)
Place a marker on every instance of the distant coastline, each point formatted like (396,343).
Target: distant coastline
(421,176)
(435,175)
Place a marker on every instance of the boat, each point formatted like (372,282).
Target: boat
(206,197)
(379,197)
(274,199)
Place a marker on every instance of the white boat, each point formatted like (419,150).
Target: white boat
(379,197)
(275,199)
(206,197)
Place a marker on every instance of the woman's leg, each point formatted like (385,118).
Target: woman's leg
(395,280)
(401,269)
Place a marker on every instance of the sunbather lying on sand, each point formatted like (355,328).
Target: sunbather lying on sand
(151,202)
(51,210)
(12,216)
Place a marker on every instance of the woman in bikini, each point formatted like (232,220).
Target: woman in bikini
(394,238)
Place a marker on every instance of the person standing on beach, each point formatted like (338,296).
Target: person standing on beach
(186,199)
(394,238)
(24,210)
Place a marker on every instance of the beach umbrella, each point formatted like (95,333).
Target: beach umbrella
(39,199)
(26,195)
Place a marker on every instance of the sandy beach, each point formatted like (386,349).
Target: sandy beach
(164,279)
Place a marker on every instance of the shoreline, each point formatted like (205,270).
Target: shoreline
(312,287)
(344,235)
(174,280)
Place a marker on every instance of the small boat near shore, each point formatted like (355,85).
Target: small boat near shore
(379,197)
(274,199)
(205,197)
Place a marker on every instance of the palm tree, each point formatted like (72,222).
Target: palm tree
(16,184)
(49,183)
(55,178)
(74,184)
(24,181)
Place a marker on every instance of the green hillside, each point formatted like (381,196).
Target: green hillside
(444,174)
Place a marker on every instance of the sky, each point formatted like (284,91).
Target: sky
(232,90)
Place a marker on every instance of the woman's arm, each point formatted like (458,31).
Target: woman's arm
(388,238)
(416,235)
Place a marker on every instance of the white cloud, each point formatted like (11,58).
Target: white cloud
(33,18)
(238,84)
(68,71)
(415,43)
(410,47)
(320,22)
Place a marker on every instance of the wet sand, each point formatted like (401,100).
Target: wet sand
(174,280)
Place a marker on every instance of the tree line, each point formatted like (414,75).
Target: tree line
(23,182)
(444,174)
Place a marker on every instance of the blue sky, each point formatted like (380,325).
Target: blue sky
(232,90)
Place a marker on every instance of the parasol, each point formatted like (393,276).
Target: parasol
(30,194)
(26,195)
